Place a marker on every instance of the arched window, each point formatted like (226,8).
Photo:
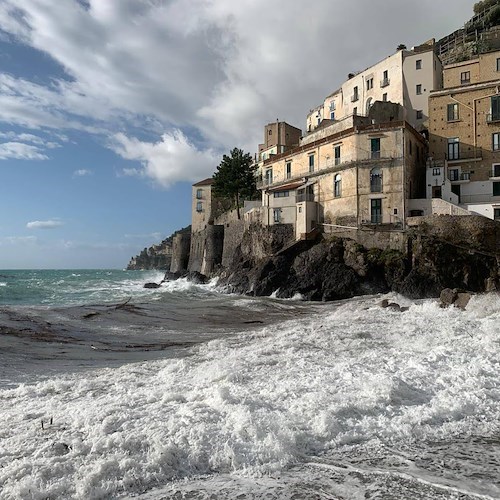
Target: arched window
(369,103)
(375,180)
(337,186)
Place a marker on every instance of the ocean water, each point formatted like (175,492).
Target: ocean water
(109,390)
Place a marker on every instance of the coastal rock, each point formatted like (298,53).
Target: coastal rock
(196,277)
(455,297)
(151,285)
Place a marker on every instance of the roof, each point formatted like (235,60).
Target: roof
(205,182)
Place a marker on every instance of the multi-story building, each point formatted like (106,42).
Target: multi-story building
(464,140)
(201,204)
(405,78)
(351,172)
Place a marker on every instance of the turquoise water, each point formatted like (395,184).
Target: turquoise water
(72,286)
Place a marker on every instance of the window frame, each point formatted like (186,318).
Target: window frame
(337,158)
(376,182)
(199,194)
(199,206)
(418,64)
(419,114)
(288,169)
(337,186)
(311,163)
(452,112)
(418,89)
(464,77)
(454,147)
(496,188)
(495,141)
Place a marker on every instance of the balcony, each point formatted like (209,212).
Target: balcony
(304,197)
(458,178)
(465,156)
(384,82)
(354,98)
(493,118)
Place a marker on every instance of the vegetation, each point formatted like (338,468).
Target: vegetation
(484,4)
(235,178)
(401,46)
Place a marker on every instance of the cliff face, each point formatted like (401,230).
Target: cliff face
(443,252)
(157,256)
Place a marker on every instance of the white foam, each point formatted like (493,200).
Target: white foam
(255,404)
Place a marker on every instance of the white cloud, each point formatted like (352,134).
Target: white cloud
(219,68)
(20,240)
(167,161)
(82,172)
(44,224)
(20,151)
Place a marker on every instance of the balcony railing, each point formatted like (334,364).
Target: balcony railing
(354,98)
(304,197)
(475,154)
(384,82)
(493,118)
(455,176)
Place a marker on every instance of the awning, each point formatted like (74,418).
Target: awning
(287,187)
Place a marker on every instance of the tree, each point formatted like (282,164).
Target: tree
(235,178)
(401,46)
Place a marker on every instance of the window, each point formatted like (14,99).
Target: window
(384,97)
(288,169)
(498,63)
(385,79)
(337,186)
(311,163)
(495,109)
(453,148)
(496,189)
(376,211)
(453,174)
(269,176)
(369,83)
(496,170)
(375,148)
(199,194)
(375,180)
(270,132)
(282,194)
(199,206)
(411,148)
(355,95)
(496,213)
(465,77)
(418,89)
(355,111)
(418,64)
(420,114)
(495,141)
(277,215)
(332,115)
(452,112)
(436,171)
(336,152)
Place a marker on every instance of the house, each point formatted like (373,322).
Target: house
(351,171)
(464,137)
(201,204)
(405,78)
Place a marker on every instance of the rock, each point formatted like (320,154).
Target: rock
(462,300)
(384,303)
(196,277)
(169,276)
(491,285)
(448,296)
(152,285)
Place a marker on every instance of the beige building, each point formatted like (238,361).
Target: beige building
(405,78)
(350,172)
(201,204)
(464,140)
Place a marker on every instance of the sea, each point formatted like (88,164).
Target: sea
(109,390)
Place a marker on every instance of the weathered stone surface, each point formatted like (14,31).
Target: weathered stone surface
(448,296)
(462,300)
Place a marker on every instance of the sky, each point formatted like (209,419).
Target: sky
(111,109)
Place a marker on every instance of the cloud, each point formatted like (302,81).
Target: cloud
(82,172)
(174,158)
(219,69)
(20,240)
(20,151)
(44,224)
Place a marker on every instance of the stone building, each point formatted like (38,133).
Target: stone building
(464,140)
(405,78)
(350,172)
(201,204)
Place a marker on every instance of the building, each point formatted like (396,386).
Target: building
(464,136)
(405,78)
(201,204)
(352,171)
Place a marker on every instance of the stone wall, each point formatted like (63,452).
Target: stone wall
(370,238)
(197,251)
(233,236)
(214,243)
(180,252)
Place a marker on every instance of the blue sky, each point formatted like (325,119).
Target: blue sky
(111,109)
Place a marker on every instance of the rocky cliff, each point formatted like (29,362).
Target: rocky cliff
(157,256)
(442,252)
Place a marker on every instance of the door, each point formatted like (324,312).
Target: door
(376,211)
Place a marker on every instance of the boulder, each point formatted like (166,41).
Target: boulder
(458,298)
(151,285)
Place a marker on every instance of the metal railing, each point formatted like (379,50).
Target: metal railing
(492,118)
(304,197)
(384,82)
(455,176)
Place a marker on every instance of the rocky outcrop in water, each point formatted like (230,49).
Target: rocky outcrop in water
(444,252)
(156,256)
